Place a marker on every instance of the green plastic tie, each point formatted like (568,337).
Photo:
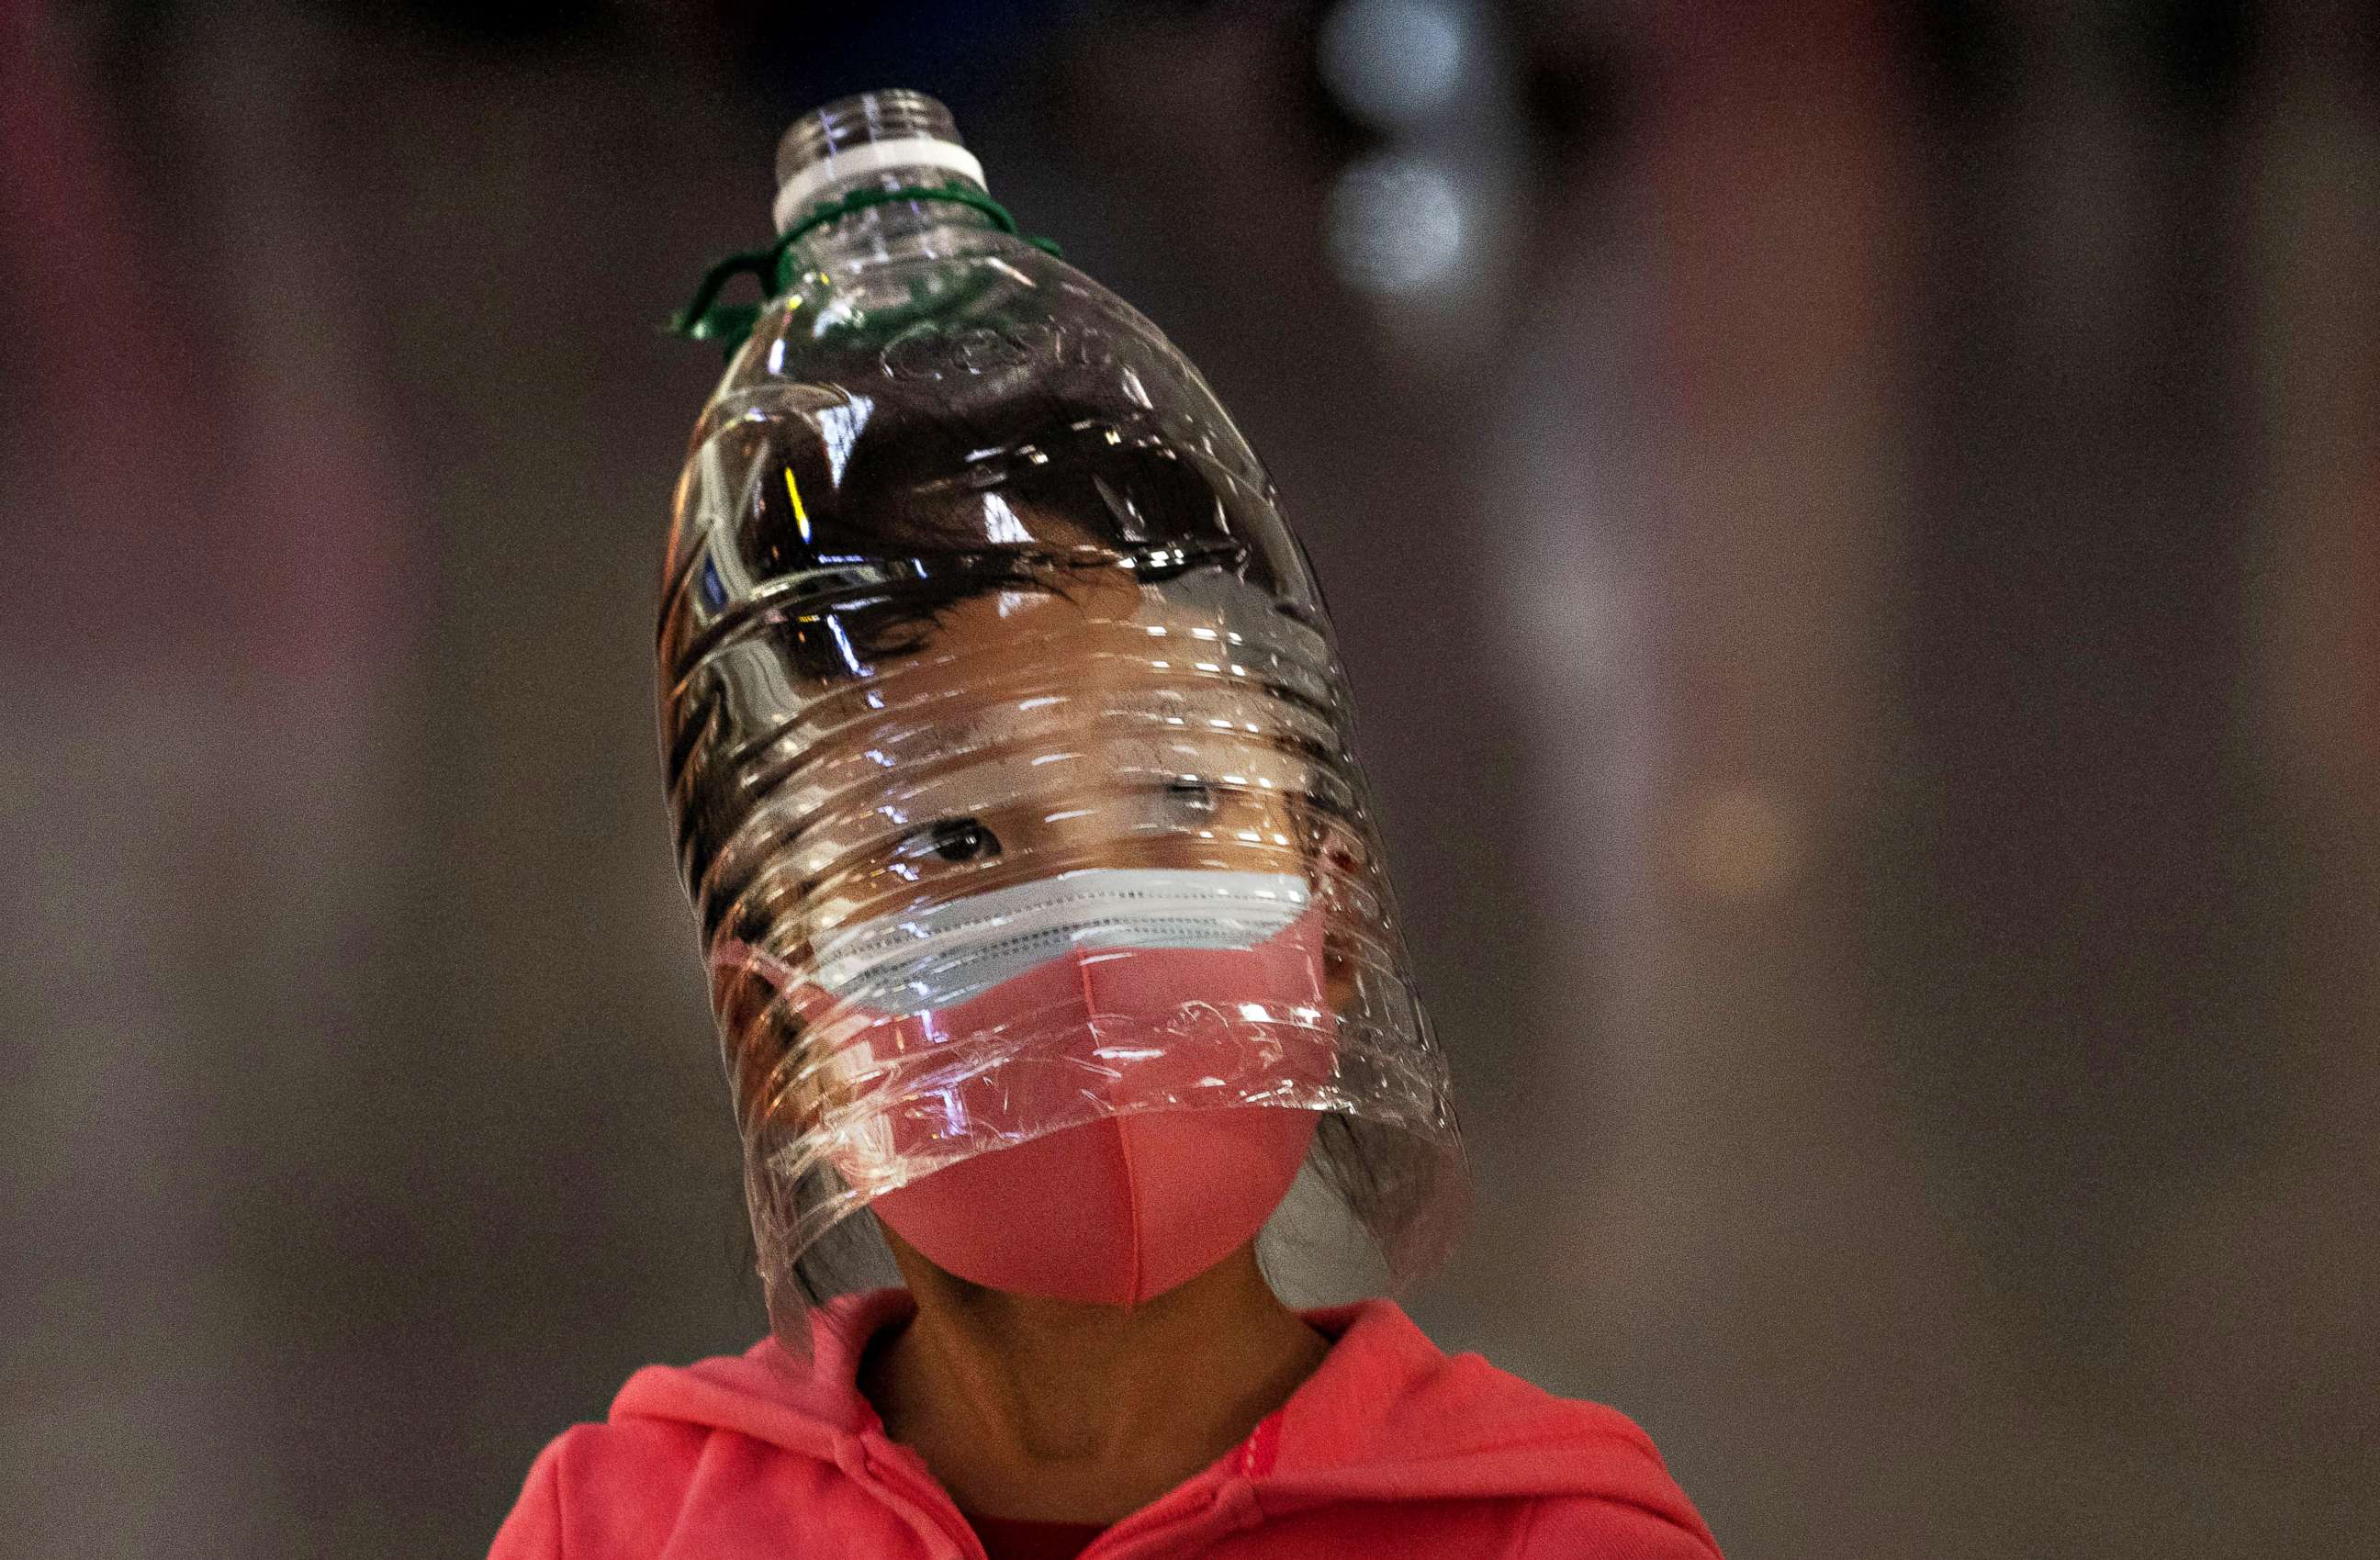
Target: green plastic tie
(706,319)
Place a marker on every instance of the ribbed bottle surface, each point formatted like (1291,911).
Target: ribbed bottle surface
(971,585)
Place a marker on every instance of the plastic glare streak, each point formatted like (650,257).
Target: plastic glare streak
(1008,750)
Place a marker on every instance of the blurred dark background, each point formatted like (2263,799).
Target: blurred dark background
(1856,535)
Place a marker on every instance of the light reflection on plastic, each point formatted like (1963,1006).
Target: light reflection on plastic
(834,626)
(1000,522)
(801,516)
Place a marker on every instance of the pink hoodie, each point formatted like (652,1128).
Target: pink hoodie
(1389,1451)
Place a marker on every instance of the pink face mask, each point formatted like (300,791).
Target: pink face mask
(1078,1055)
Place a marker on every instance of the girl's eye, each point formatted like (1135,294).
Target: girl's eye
(1193,796)
(963,839)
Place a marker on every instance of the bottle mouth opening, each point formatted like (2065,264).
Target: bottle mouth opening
(864,134)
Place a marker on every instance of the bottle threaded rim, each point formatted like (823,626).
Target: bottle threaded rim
(892,137)
(896,114)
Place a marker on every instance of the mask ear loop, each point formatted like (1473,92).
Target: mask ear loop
(706,319)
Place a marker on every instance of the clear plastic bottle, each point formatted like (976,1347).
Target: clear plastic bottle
(870,709)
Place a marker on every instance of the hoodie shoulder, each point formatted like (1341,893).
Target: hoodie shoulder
(1387,1395)
(761,1393)
(1390,1417)
(600,1489)
(1599,1484)
(1564,1527)
(1501,1405)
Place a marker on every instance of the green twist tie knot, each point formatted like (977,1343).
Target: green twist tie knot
(706,319)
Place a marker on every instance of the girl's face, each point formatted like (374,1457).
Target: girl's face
(1097,730)
(1033,734)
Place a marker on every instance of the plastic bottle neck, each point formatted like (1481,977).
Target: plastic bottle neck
(884,140)
(892,230)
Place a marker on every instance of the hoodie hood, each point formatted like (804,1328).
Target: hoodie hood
(1387,1417)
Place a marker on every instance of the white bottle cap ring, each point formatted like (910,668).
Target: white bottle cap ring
(870,157)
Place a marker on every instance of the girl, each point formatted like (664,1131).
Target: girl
(1050,949)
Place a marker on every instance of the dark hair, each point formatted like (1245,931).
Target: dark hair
(932,510)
